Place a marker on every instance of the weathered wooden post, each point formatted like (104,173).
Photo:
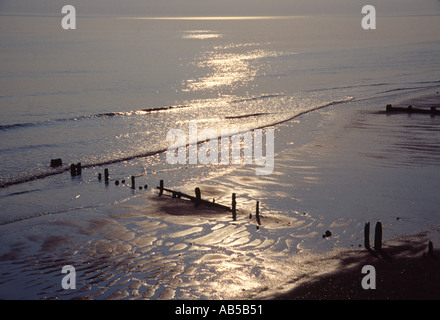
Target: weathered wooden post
(160,188)
(257,213)
(106,175)
(430,249)
(72,170)
(56,163)
(367,236)
(78,169)
(234,207)
(133,184)
(99,176)
(378,236)
(198,197)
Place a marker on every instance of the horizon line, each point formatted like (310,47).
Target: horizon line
(209,18)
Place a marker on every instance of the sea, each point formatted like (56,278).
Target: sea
(108,93)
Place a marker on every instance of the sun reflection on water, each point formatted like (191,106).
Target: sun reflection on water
(226,69)
(201,35)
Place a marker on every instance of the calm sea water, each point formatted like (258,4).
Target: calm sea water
(109,92)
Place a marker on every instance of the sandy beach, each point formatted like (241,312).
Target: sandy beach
(404,271)
(162,248)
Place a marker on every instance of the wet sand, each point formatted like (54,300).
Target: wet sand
(344,172)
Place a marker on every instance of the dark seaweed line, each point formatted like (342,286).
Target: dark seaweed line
(90,116)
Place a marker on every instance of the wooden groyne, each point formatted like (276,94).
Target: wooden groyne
(378,240)
(197,198)
(410,109)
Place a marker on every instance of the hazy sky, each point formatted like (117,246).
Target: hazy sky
(220,7)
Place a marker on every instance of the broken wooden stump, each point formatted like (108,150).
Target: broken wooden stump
(378,236)
(198,197)
(367,236)
(430,249)
(233,207)
(161,188)
(257,213)
(75,169)
(72,170)
(56,163)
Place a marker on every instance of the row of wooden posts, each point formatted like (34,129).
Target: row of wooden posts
(197,199)
(107,179)
(378,238)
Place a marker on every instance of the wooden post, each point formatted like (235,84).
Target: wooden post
(78,169)
(99,176)
(133,184)
(430,248)
(257,213)
(378,236)
(367,236)
(160,188)
(198,197)
(56,163)
(233,207)
(72,170)
(106,175)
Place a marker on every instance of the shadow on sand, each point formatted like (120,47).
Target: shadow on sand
(405,270)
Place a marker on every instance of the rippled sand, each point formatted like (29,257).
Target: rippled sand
(168,249)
